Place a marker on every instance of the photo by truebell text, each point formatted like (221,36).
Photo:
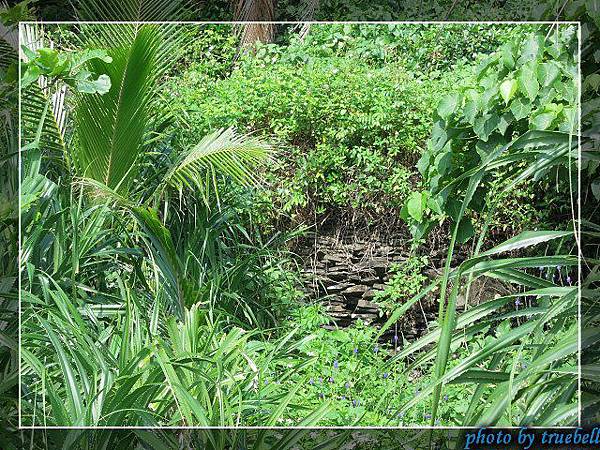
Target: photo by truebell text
(532,439)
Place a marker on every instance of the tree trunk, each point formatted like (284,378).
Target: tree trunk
(260,14)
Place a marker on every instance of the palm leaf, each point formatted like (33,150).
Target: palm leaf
(111,128)
(133,10)
(222,152)
(43,108)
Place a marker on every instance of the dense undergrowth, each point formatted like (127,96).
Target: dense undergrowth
(158,287)
(350,108)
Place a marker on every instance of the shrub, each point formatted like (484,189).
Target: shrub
(421,48)
(526,85)
(351,131)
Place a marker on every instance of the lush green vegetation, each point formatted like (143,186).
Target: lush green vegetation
(158,286)
(531,213)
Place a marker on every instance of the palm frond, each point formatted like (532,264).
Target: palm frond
(111,128)
(43,108)
(310,9)
(133,10)
(9,40)
(222,152)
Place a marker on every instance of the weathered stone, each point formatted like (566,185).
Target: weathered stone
(336,308)
(376,263)
(345,276)
(337,276)
(335,258)
(370,281)
(355,291)
(355,278)
(363,303)
(335,299)
(370,294)
(364,316)
(338,287)
(367,272)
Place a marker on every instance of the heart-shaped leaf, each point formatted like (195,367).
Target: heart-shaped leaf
(448,105)
(520,108)
(528,82)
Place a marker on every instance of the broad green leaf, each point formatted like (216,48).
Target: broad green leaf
(532,48)
(548,73)
(416,205)
(443,162)
(508,89)
(470,111)
(568,125)
(47,59)
(520,108)
(404,213)
(423,163)
(439,136)
(508,58)
(488,96)
(505,120)
(452,208)
(484,126)
(483,65)
(62,66)
(484,149)
(101,85)
(435,204)
(28,52)
(528,83)
(80,58)
(434,182)
(568,91)
(448,105)
(30,76)
(542,121)
(547,95)
(465,230)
